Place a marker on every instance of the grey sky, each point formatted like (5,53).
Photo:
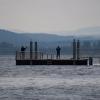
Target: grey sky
(49,15)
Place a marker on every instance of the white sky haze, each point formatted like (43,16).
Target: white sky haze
(49,15)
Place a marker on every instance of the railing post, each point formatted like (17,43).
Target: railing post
(74,49)
(36,49)
(78,49)
(20,54)
(42,55)
(31,50)
(47,56)
(51,56)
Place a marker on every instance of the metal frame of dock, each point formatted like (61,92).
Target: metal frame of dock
(34,57)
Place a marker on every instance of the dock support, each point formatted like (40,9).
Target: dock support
(36,49)
(78,49)
(74,49)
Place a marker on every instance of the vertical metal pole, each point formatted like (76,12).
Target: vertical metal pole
(39,55)
(20,55)
(42,55)
(51,56)
(47,56)
(78,49)
(74,49)
(90,61)
(36,49)
(31,50)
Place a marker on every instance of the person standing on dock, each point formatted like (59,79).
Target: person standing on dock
(23,51)
(58,52)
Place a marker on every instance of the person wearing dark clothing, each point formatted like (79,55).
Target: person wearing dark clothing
(58,52)
(23,52)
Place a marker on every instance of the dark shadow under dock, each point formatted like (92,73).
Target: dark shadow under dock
(52,62)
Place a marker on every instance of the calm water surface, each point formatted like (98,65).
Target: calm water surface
(48,82)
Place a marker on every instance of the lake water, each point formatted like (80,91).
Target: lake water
(48,82)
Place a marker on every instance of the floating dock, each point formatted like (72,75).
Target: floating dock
(34,57)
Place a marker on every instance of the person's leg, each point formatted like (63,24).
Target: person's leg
(57,56)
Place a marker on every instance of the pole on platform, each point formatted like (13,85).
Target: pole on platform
(78,49)
(90,61)
(36,49)
(74,49)
(31,50)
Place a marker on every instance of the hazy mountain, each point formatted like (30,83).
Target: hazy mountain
(90,31)
(9,40)
(12,37)
(22,38)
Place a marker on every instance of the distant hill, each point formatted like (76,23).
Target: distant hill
(20,38)
(15,38)
(49,41)
(12,37)
(90,31)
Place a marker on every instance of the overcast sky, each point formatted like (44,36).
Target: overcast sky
(49,15)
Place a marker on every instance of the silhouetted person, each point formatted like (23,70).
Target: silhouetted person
(23,51)
(58,52)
